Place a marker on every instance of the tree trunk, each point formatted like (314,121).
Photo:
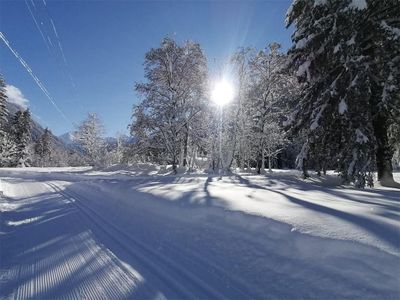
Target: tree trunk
(384,153)
(269,164)
(174,163)
(174,166)
(304,169)
(185,147)
(259,165)
(262,162)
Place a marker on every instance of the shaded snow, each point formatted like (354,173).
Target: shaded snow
(358,4)
(361,138)
(304,69)
(320,2)
(336,49)
(342,106)
(111,234)
(304,41)
(315,124)
(354,81)
(393,30)
(351,41)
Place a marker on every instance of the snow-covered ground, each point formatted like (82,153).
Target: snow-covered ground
(137,232)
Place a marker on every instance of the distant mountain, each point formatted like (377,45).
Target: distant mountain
(67,138)
(111,142)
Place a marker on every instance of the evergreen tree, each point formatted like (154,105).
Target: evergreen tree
(3,118)
(7,150)
(3,106)
(7,145)
(347,53)
(43,149)
(21,133)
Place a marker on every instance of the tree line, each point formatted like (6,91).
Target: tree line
(333,97)
(20,146)
(330,102)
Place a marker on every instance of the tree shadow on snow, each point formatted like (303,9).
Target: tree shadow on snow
(386,232)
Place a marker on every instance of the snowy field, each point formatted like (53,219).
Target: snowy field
(80,233)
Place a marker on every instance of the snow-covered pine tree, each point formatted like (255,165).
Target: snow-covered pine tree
(7,146)
(90,136)
(21,134)
(348,53)
(8,150)
(3,104)
(44,149)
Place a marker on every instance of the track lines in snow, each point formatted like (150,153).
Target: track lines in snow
(240,255)
(164,243)
(184,283)
(54,258)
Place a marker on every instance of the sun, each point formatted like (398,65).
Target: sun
(222,93)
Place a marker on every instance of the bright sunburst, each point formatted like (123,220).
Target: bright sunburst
(223,92)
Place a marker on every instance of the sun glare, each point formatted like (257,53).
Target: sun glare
(223,93)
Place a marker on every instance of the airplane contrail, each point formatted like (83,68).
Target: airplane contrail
(37,24)
(59,42)
(60,46)
(35,78)
(48,39)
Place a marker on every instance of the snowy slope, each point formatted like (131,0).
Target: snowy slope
(85,233)
(67,138)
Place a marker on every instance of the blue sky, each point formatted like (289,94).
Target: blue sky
(104,43)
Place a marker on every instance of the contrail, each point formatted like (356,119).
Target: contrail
(37,24)
(48,39)
(37,80)
(59,44)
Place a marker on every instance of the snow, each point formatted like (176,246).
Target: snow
(315,124)
(21,222)
(342,106)
(320,2)
(68,138)
(304,69)
(393,30)
(336,49)
(354,81)
(361,138)
(289,11)
(125,233)
(300,44)
(351,41)
(358,4)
